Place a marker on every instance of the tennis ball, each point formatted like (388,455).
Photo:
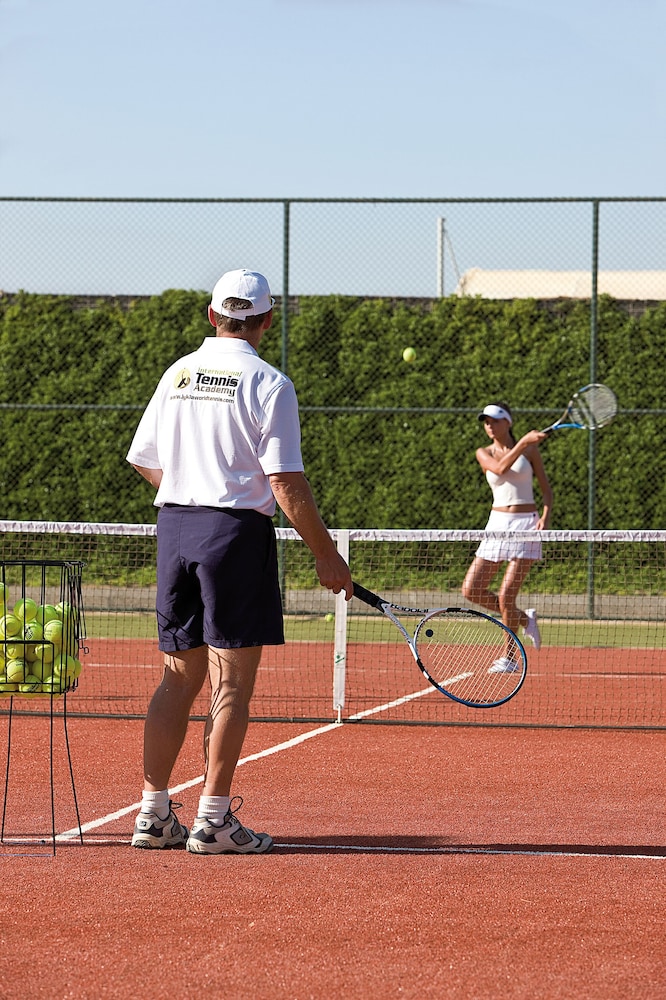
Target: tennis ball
(329,618)
(53,632)
(40,668)
(16,671)
(14,651)
(46,613)
(44,652)
(64,609)
(53,685)
(30,684)
(7,687)
(409,355)
(9,626)
(65,666)
(33,632)
(25,609)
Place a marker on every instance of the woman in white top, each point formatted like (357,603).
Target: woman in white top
(510,467)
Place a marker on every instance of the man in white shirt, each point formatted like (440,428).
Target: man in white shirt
(220,442)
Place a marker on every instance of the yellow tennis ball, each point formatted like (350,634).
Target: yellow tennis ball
(7,687)
(16,671)
(33,632)
(40,668)
(53,685)
(25,609)
(30,684)
(10,626)
(43,652)
(409,355)
(46,613)
(66,666)
(53,632)
(329,617)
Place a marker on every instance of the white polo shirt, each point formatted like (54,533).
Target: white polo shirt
(220,421)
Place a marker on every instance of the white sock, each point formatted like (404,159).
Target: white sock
(156,802)
(214,807)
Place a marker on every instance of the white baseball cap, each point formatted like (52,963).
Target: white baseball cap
(496,412)
(242,284)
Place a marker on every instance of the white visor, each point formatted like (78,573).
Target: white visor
(496,412)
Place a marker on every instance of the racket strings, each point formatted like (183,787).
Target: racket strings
(594,407)
(459,652)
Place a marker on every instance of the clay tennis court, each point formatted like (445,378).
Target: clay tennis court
(410,861)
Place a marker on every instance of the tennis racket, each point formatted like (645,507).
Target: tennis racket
(591,407)
(467,655)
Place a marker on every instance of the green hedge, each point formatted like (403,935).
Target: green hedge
(384,466)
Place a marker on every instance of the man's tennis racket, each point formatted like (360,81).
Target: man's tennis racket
(467,655)
(591,407)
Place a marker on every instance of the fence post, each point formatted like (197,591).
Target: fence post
(592,437)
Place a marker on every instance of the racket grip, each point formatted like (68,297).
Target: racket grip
(367,596)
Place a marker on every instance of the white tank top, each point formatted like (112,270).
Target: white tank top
(515,486)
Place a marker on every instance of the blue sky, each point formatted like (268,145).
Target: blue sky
(328,98)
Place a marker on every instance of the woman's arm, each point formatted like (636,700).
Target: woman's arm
(536,461)
(501,465)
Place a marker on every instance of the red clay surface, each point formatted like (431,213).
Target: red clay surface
(409,862)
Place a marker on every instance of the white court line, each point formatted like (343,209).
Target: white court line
(74,834)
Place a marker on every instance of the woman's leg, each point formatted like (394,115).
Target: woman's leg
(476,585)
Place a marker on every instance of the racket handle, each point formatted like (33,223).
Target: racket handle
(367,596)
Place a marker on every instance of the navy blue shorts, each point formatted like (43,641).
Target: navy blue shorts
(217,579)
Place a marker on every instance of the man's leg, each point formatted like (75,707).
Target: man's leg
(216,829)
(232,676)
(166,723)
(169,713)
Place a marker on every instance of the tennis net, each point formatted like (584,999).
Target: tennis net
(599,596)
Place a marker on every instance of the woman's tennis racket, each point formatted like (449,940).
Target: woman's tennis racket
(591,407)
(467,655)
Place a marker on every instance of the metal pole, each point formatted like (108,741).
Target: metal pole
(441,224)
(282,520)
(592,438)
(285,287)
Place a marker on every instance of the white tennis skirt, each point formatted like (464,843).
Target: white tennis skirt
(504,549)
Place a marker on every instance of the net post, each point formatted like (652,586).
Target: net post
(340,635)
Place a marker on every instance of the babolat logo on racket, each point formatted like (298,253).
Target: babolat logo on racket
(182,379)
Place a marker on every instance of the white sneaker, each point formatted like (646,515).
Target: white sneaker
(503,666)
(532,629)
(153,833)
(229,837)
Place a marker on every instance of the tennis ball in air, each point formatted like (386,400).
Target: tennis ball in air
(25,609)
(329,617)
(10,626)
(409,355)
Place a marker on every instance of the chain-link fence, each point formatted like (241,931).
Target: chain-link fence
(518,299)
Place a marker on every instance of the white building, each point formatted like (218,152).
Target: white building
(627,285)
